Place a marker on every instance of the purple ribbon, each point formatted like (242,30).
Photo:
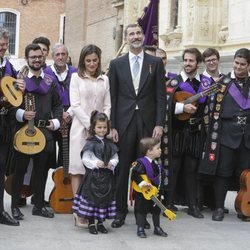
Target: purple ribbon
(149,169)
(205,83)
(42,88)
(242,101)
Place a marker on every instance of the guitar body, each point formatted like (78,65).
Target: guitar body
(61,196)
(26,190)
(12,94)
(181,96)
(29,142)
(242,201)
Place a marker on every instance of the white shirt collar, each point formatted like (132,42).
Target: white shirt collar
(31,74)
(233,75)
(150,160)
(132,56)
(185,77)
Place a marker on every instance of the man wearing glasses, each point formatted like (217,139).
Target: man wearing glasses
(42,88)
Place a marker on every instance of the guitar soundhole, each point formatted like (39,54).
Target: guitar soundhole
(66,181)
(30,132)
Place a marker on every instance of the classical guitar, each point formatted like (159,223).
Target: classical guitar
(29,139)
(242,201)
(150,193)
(186,98)
(12,95)
(61,196)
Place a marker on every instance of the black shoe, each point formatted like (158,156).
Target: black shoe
(7,220)
(117,223)
(22,202)
(195,212)
(147,225)
(46,203)
(92,229)
(243,217)
(141,233)
(100,228)
(32,202)
(42,212)
(160,232)
(16,213)
(218,214)
(172,208)
(226,210)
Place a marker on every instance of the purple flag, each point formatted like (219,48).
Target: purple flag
(149,23)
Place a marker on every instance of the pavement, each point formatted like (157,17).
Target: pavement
(184,233)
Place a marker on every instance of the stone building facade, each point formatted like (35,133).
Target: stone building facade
(33,18)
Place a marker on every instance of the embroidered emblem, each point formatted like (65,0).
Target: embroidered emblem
(214,135)
(223,88)
(213,145)
(217,107)
(174,82)
(205,83)
(211,157)
(165,139)
(219,97)
(206,119)
(206,109)
(165,129)
(211,106)
(226,80)
(216,115)
(216,125)
(169,90)
(166,151)
(47,80)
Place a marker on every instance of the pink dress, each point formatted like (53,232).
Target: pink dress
(86,95)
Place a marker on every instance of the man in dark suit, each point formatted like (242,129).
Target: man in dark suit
(137,87)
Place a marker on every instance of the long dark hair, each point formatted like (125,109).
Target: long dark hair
(97,117)
(88,50)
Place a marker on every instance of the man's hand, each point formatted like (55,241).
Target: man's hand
(51,125)
(157,132)
(28,115)
(189,108)
(115,136)
(21,84)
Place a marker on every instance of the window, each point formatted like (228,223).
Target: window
(8,21)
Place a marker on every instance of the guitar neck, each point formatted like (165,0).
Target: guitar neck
(213,89)
(158,203)
(65,155)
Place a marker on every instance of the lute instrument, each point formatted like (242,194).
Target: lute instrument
(61,196)
(29,139)
(12,95)
(242,201)
(150,193)
(186,98)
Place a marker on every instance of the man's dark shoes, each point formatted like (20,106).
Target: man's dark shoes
(100,228)
(7,220)
(147,225)
(226,210)
(141,233)
(160,232)
(16,213)
(218,214)
(117,223)
(195,212)
(243,217)
(42,212)
(92,229)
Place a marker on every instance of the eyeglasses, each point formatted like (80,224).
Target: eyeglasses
(211,60)
(36,57)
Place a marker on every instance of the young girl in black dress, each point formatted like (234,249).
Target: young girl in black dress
(94,199)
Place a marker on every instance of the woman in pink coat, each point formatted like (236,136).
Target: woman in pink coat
(89,90)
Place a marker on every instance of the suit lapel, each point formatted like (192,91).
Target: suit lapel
(144,71)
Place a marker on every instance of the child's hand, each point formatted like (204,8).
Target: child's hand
(100,164)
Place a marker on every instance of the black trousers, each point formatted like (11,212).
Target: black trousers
(128,146)
(188,165)
(40,170)
(3,155)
